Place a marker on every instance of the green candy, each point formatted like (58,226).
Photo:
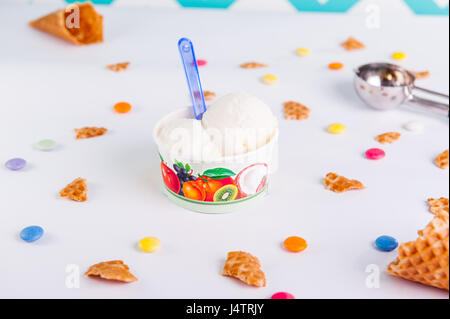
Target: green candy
(45,145)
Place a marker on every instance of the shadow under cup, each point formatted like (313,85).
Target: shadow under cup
(222,185)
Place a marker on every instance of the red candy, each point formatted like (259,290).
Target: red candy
(375,154)
(283,295)
(202,62)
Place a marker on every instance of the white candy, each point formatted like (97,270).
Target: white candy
(414,126)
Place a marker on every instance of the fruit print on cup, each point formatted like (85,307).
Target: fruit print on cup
(170,178)
(215,185)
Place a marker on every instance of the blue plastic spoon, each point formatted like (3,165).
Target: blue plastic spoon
(193,78)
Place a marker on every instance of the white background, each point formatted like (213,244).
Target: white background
(49,87)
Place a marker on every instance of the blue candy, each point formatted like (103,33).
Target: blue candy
(31,233)
(386,243)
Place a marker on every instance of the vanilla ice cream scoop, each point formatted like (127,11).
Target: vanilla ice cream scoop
(243,122)
(236,124)
(186,138)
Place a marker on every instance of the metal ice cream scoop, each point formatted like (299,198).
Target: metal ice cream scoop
(385,86)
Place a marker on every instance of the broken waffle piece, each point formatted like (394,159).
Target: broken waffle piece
(352,44)
(209,95)
(426,260)
(438,205)
(442,160)
(388,138)
(340,184)
(111,270)
(78,23)
(421,75)
(245,267)
(295,111)
(77,190)
(118,67)
(88,132)
(253,65)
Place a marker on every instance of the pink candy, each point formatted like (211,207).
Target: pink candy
(202,62)
(283,295)
(375,154)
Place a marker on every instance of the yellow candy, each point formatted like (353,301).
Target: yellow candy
(270,79)
(399,55)
(149,244)
(337,128)
(303,52)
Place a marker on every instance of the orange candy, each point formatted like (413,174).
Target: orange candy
(336,66)
(295,244)
(122,107)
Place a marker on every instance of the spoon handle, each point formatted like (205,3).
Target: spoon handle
(193,78)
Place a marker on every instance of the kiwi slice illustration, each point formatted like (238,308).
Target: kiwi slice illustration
(226,193)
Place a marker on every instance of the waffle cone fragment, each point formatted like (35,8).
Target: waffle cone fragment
(209,95)
(245,267)
(78,23)
(352,44)
(421,75)
(77,190)
(118,67)
(252,65)
(426,260)
(340,184)
(88,132)
(295,111)
(112,270)
(442,161)
(388,138)
(440,205)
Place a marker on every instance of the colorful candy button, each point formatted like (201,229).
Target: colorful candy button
(202,62)
(399,56)
(16,164)
(149,244)
(283,295)
(295,244)
(270,79)
(386,243)
(303,52)
(335,66)
(31,233)
(122,107)
(375,154)
(414,126)
(337,128)
(45,145)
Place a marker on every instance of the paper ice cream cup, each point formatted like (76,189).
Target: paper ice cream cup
(222,185)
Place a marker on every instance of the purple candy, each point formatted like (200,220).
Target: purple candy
(16,164)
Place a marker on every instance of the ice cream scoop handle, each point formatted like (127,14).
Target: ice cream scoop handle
(430,105)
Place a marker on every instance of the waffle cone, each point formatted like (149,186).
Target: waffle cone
(90,28)
(426,260)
